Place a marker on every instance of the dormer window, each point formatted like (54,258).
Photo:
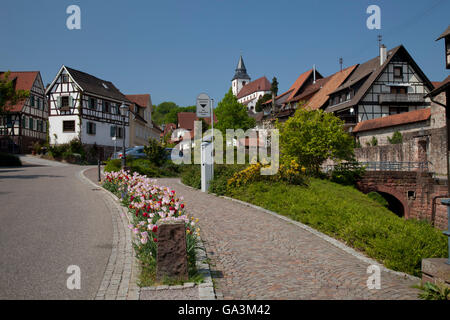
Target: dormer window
(104,85)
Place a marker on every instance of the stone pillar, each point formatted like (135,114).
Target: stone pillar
(172,255)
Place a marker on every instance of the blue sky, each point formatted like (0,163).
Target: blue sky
(175,49)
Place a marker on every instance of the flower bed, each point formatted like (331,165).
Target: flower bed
(149,203)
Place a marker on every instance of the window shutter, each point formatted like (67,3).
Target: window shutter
(94,125)
(58,102)
(71,101)
(113,131)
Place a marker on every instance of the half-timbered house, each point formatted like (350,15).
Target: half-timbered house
(87,108)
(390,84)
(25,122)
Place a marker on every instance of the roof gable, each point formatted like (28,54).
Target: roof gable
(261,84)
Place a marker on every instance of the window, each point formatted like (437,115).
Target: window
(398,72)
(398,90)
(105,106)
(69,126)
(92,103)
(116,132)
(30,123)
(31,100)
(65,78)
(24,122)
(90,128)
(65,102)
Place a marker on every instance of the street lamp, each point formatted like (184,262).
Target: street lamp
(123,112)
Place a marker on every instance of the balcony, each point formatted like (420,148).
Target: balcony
(401,98)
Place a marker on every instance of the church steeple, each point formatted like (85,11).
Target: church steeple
(241,78)
(241,71)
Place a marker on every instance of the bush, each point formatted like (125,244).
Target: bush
(347,214)
(396,138)
(290,173)
(71,152)
(113,165)
(222,173)
(155,152)
(347,173)
(191,175)
(9,160)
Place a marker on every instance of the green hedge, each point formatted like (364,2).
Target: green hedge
(9,160)
(347,214)
(145,167)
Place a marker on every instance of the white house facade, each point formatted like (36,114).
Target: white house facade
(86,108)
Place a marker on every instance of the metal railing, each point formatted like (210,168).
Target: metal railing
(383,166)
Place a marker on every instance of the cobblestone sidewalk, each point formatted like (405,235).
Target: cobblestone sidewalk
(256,255)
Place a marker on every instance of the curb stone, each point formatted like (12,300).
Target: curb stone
(120,277)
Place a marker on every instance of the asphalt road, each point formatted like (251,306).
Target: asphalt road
(50,220)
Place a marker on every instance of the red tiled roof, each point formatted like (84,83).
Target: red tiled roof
(169,127)
(441,87)
(186,120)
(261,84)
(142,100)
(24,80)
(335,80)
(394,120)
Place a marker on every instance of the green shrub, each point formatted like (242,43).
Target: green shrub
(113,165)
(222,173)
(190,175)
(347,173)
(9,160)
(144,167)
(431,291)
(396,138)
(347,214)
(155,152)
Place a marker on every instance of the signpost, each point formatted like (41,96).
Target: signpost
(205,110)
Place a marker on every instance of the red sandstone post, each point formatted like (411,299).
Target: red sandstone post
(171,259)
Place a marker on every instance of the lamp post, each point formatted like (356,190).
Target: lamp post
(123,112)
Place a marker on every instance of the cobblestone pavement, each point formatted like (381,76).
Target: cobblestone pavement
(255,255)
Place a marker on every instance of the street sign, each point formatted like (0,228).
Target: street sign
(203,106)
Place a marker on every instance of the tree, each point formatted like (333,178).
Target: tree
(261,101)
(274,86)
(311,137)
(231,114)
(8,95)
(160,111)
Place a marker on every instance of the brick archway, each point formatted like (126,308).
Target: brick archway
(396,194)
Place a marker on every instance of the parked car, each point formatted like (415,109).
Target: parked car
(172,157)
(118,155)
(136,152)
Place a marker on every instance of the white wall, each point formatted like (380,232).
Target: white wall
(56,127)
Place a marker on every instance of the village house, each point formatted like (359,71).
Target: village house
(185,129)
(248,92)
(25,122)
(87,108)
(142,128)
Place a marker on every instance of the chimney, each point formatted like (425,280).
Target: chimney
(314,73)
(383,54)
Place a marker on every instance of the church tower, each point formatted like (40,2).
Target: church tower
(240,78)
